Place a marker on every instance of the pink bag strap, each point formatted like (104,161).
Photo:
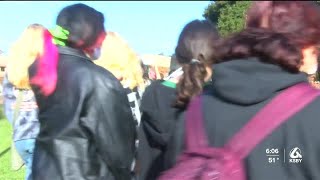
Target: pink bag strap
(278,111)
(195,135)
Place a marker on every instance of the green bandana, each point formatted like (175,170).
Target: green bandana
(60,35)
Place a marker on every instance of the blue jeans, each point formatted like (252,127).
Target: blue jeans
(25,149)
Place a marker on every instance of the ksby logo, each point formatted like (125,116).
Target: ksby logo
(295,155)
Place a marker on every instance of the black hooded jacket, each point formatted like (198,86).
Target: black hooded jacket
(87,130)
(157,123)
(240,89)
(156,126)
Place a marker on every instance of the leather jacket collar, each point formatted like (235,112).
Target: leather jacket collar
(72,52)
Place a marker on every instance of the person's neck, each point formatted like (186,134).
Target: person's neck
(209,74)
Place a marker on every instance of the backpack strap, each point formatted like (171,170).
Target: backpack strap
(279,110)
(195,135)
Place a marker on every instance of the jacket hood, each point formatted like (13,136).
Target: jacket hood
(250,81)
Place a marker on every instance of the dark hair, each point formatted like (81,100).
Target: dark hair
(276,31)
(84,24)
(36,25)
(196,41)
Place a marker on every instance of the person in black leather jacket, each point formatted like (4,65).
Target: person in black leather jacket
(87,130)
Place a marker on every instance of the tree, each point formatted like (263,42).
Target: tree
(214,9)
(228,16)
(232,19)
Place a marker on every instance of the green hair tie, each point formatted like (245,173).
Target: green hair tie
(60,35)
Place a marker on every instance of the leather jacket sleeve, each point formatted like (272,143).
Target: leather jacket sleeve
(109,119)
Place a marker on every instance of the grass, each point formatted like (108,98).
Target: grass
(5,154)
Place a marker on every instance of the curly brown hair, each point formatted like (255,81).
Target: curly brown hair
(197,41)
(276,32)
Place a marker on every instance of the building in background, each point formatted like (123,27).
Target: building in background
(158,65)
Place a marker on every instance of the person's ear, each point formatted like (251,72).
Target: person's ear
(310,60)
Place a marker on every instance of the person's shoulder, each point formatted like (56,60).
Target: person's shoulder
(155,86)
(86,67)
(306,119)
(163,84)
(93,75)
(82,65)
(102,73)
(312,108)
(156,93)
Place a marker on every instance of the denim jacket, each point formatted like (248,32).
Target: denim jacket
(26,125)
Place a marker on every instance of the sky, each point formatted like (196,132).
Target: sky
(150,27)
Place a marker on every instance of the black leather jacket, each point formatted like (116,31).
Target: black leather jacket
(87,130)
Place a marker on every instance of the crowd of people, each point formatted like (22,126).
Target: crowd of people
(82,108)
